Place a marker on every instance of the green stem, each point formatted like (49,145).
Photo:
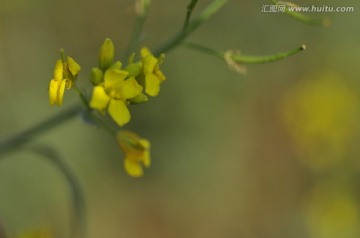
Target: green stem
(204,16)
(82,96)
(141,10)
(243,58)
(190,9)
(101,123)
(27,135)
(77,196)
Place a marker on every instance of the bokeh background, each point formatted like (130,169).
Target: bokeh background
(271,154)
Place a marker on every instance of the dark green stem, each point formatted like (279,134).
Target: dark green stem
(204,16)
(76,193)
(23,137)
(190,9)
(102,124)
(82,96)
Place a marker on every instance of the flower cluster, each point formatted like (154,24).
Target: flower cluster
(136,151)
(65,73)
(115,87)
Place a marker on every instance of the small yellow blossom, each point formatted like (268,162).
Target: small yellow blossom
(65,73)
(153,75)
(113,93)
(136,151)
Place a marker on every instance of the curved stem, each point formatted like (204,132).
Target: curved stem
(25,136)
(77,196)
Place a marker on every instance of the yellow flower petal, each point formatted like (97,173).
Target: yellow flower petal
(149,63)
(53,91)
(130,89)
(132,168)
(113,78)
(73,66)
(119,112)
(146,158)
(159,74)
(99,99)
(145,52)
(152,85)
(58,70)
(60,92)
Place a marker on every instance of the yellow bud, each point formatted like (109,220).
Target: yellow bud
(106,54)
(141,98)
(96,76)
(134,69)
(116,65)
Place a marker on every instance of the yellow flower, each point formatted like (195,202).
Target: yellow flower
(331,210)
(36,233)
(153,75)
(136,151)
(321,117)
(65,73)
(113,93)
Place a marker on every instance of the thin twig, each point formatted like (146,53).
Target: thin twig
(204,16)
(190,9)
(25,136)
(141,11)
(244,59)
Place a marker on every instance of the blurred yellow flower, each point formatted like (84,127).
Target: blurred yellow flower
(332,211)
(36,233)
(136,151)
(153,75)
(321,116)
(65,73)
(113,93)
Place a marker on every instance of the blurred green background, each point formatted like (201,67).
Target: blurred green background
(270,154)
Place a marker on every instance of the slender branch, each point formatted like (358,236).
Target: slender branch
(77,196)
(82,96)
(244,59)
(190,9)
(205,15)
(141,11)
(103,124)
(25,136)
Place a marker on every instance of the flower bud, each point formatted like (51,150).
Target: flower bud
(134,69)
(96,76)
(116,65)
(106,54)
(141,98)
